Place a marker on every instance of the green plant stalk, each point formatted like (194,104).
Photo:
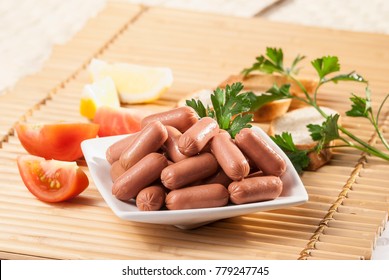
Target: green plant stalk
(383,140)
(365,147)
(300,85)
(375,123)
(382,105)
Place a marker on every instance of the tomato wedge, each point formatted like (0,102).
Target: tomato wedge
(52,180)
(60,141)
(117,121)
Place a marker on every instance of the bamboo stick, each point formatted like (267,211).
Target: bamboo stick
(356,242)
(323,255)
(289,217)
(345,249)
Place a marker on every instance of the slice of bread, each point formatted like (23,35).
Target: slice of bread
(295,122)
(271,110)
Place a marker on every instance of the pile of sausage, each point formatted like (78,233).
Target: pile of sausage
(178,161)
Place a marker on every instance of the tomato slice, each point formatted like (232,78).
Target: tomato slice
(52,180)
(60,141)
(117,121)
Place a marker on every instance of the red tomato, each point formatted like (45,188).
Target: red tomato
(60,141)
(52,180)
(117,121)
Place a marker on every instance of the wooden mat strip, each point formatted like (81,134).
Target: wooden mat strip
(346,193)
(86,227)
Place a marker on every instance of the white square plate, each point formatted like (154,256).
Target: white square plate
(294,192)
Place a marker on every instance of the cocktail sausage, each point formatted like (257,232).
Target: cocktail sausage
(189,170)
(114,151)
(219,178)
(197,137)
(151,198)
(149,140)
(139,176)
(171,144)
(203,196)
(264,157)
(181,118)
(228,155)
(255,189)
(116,170)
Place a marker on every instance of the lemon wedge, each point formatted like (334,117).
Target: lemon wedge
(100,93)
(134,83)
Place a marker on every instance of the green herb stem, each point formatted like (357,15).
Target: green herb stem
(383,140)
(382,105)
(300,85)
(366,147)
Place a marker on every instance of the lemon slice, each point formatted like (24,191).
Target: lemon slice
(134,83)
(100,93)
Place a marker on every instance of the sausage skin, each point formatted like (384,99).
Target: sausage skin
(171,144)
(116,170)
(255,189)
(255,174)
(114,151)
(139,176)
(197,137)
(228,155)
(202,196)
(264,157)
(219,178)
(151,198)
(189,170)
(181,118)
(149,140)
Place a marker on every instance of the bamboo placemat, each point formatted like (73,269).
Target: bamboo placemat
(349,198)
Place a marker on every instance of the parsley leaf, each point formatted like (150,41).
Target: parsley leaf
(330,64)
(361,107)
(238,123)
(299,158)
(326,132)
(352,76)
(257,66)
(227,104)
(326,65)
(218,101)
(293,69)
(272,94)
(236,102)
(273,62)
(228,107)
(198,106)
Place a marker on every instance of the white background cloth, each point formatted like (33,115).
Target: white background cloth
(29,29)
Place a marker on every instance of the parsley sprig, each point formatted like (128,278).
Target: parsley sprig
(229,106)
(299,158)
(272,94)
(273,62)
(330,129)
